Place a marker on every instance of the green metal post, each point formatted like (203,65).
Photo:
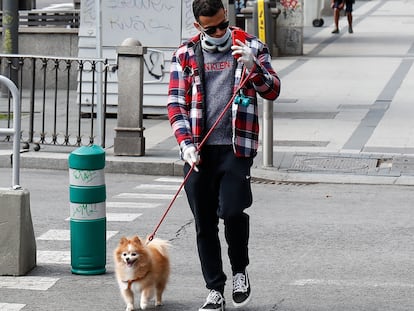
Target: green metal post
(87,194)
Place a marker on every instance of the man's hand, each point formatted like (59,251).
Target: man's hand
(246,55)
(191,156)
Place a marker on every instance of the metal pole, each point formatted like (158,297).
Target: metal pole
(100,113)
(15,131)
(267,133)
(11,33)
(262,6)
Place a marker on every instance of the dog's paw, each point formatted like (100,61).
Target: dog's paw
(144,305)
(158,303)
(130,307)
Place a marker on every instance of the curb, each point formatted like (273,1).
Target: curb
(157,165)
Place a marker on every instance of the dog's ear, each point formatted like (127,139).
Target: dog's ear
(123,240)
(137,240)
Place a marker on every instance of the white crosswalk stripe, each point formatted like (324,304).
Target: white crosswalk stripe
(59,257)
(157,187)
(121,216)
(148,196)
(28,282)
(11,306)
(64,235)
(55,234)
(137,205)
(170,179)
(53,257)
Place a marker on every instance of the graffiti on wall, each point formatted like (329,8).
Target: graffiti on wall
(289,4)
(290,8)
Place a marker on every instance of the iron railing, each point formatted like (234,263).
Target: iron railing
(48,18)
(53,92)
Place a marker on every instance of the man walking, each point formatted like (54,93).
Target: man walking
(204,74)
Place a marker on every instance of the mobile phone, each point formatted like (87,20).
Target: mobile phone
(240,35)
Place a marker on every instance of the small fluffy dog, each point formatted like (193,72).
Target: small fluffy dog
(143,266)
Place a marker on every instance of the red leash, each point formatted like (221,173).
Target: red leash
(228,105)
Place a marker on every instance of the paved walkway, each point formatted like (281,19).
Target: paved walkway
(344,114)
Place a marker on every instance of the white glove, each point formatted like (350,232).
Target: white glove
(190,155)
(245,53)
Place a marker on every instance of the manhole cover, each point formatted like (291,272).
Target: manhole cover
(333,163)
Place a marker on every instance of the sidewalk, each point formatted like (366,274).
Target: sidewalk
(344,113)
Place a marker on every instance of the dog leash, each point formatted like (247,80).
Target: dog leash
(228,105)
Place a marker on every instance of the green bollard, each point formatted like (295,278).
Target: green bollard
(87,195)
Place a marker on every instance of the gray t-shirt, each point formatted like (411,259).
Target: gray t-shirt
(219,81)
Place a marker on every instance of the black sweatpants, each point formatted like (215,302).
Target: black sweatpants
(221,189)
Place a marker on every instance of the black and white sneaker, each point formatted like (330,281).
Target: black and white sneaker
(241,289)
(214,302)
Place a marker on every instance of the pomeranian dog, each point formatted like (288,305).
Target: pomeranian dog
(141,266)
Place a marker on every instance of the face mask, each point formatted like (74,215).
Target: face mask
(217,41)
(222,44)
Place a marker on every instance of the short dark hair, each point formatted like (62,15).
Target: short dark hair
(206,8)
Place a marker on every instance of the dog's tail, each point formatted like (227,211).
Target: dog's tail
(161,245)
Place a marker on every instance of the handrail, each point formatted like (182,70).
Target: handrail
(15,131)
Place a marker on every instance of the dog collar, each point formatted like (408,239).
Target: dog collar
(129,282)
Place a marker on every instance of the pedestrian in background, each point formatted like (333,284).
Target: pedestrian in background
(203,76)
(338,6)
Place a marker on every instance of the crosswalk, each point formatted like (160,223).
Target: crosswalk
(141,199)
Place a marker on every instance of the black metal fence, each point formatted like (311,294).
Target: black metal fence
(50,18)
(52,90)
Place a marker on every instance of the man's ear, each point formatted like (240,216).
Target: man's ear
(197,26)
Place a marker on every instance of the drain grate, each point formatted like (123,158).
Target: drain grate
(265,181)
(296,183)
(404,165)
(333,163)
(258,180)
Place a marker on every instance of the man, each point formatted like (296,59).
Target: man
(203,76)
(338,6)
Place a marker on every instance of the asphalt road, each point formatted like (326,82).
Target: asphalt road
(313,246)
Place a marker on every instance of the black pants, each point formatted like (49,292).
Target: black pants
(221,189)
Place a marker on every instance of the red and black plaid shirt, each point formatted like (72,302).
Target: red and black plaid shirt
(186,97)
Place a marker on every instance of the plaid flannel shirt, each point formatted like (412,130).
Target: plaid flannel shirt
(186,96)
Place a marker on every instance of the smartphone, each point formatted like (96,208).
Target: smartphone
(240,35)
